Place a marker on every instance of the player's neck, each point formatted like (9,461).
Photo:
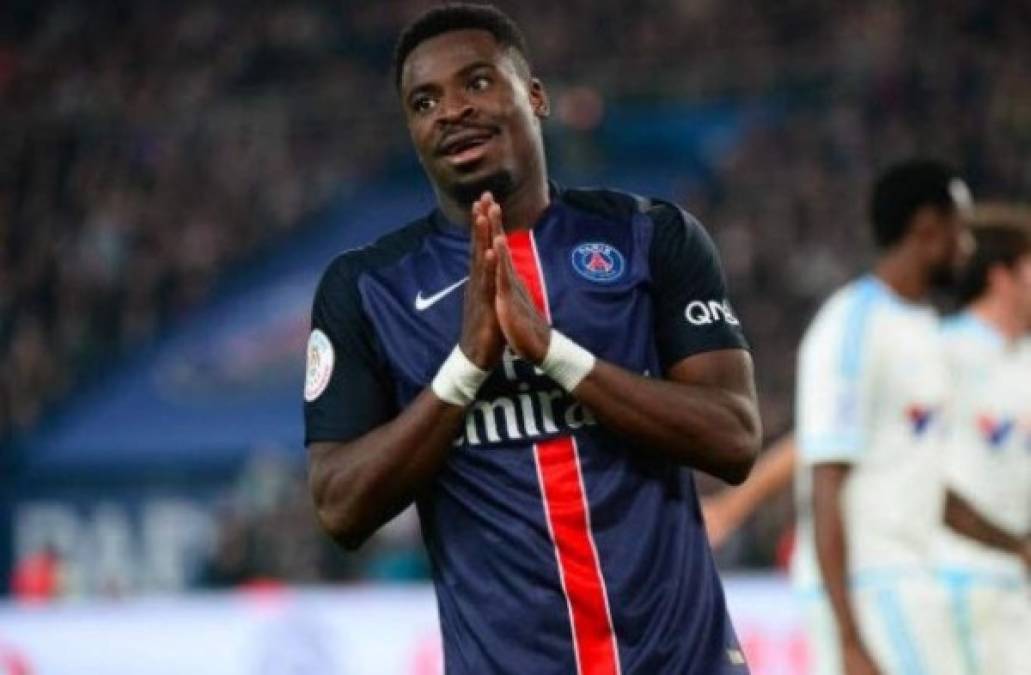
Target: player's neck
(898,271)
(998,314)
(520,208)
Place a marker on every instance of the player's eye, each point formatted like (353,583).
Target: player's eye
(423,104)
(479,83)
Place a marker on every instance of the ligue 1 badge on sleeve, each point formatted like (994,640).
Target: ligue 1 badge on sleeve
(598,262)
(320,365)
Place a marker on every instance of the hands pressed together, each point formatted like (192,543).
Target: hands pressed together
(498,308)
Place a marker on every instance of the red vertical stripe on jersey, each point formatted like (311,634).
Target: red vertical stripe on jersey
(565,505)
(524,258)
(566,510)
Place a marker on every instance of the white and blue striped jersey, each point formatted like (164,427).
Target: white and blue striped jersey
(871,390)
(988,454)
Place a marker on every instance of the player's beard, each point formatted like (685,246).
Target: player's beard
(944,288)
(944,277)
(499,183)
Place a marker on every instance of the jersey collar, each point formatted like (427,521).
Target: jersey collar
(452,229)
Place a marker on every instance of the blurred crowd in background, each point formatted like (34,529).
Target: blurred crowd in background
(149,147)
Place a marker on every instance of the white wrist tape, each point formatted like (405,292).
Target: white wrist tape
(567,362)
(458,379)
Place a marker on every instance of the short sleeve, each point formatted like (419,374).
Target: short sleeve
(348,390)
(835,385)
(692,312)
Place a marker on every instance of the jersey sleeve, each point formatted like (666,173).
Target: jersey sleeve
(834,387)
(692,313)
(348,389)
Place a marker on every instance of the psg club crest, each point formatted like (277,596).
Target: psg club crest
(598,262)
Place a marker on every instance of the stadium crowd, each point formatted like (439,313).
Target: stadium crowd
(148,147)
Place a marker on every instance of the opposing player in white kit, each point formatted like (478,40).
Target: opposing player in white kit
(984,551)
(871,390)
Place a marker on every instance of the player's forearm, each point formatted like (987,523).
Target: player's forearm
(778,468)
(772,474)
(829,533)
(963,518)
(709,428)
(359,485)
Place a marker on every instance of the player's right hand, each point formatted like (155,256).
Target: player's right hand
(482,341)
(856,660)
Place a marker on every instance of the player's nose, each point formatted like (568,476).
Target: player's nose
(455,107)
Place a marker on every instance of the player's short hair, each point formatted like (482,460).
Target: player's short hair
(1002,237)
(905,188)
(460,16)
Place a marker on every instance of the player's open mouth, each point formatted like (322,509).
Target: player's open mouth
(466,146)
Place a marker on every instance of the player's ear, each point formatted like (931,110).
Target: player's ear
(539,99)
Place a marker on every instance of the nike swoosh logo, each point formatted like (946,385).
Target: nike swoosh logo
(422,303)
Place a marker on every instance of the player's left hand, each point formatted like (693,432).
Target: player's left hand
(525,330)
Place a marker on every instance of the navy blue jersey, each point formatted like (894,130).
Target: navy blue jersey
(557,546)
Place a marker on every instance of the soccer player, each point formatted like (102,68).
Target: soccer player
(539,370)
(871,388)
(985,550)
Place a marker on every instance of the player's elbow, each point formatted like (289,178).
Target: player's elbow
(337,511)
(740,443)
(344,527)
(738,457)
(737,468)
